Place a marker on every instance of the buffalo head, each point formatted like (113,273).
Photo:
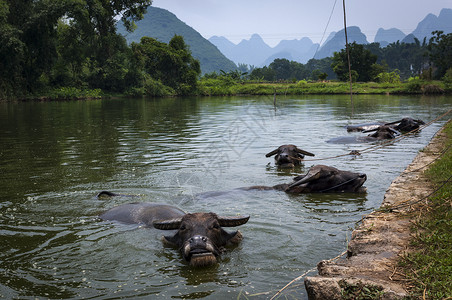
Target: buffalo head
(322,178)
(407,124)
(383,133)
(200,236)
(288,155)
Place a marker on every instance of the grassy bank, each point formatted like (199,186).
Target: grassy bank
(214,87)
(429,267)
(225,86)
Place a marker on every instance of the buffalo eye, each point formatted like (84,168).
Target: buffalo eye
(182,227)
(216,226)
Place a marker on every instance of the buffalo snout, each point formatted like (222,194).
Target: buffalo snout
(200,251)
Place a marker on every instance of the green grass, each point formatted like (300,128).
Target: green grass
(429,267)
(219,87)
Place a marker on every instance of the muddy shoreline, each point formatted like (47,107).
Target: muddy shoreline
(381,238)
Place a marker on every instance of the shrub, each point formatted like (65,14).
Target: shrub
(389,77)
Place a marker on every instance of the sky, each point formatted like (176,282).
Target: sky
(294,19)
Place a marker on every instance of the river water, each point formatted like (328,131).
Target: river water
(56,156)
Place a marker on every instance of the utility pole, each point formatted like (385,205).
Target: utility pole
(348,56)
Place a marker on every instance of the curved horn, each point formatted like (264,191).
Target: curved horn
(304,152)
(232,221)
(170,224)
(306,179)
(272,153)
(394,131)
(371,130)
(392,123)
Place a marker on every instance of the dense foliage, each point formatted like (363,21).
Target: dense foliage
(53,46)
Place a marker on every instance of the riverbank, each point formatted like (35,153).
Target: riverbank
(372,268)
(220,87)
(223,87)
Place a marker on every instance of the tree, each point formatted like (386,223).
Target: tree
(408,58)
(440,47)
(361,61)
(264,73)
(172,64)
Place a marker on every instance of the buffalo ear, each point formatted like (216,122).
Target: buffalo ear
(232,221)
(170,224)
(169,240)
(304,152)
(234,238)
(272,153)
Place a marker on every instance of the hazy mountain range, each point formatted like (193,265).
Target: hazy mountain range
(218,53)
(256,52)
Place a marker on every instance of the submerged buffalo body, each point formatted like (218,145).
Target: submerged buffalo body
(288,155)
(325,179)
(199,236)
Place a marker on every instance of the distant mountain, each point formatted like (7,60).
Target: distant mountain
(431,23)
(388,36)
(252,52)
(162,25)
(337,42)
(409,39)
(301,50)
(257,53)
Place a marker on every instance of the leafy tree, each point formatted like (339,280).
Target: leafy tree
(315,67)
(440,47)
(54,41)
(322,76)
(408,58)
(171,64)
(264,73)
(361,61)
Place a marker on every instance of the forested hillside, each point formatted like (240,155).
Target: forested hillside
(162,25)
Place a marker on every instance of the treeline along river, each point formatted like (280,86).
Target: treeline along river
(56,156)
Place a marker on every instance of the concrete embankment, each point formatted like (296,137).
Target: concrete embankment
(381,238)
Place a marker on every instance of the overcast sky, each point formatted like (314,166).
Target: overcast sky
(293,19)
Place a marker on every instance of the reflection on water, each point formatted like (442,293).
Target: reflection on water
(192,153)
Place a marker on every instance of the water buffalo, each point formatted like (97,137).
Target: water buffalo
(325,179)
(288,155)
(199,236)
(382,132)
(406,124)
